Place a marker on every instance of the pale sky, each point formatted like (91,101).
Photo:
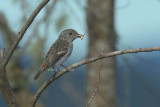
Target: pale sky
(138,24)
(138,21)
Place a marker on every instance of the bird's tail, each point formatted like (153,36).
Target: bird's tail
(37,75)
(42,68)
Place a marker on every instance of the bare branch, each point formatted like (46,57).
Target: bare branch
(7,90)
(4,83)
(86,61)
(23,30)
(35,31)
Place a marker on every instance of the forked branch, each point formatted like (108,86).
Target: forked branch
(4,83)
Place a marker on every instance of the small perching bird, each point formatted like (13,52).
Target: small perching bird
(60,51)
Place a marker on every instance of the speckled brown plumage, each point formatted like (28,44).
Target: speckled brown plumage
(59,51)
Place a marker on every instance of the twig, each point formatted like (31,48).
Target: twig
(97,83)
(86,61)
(99,77)
(4,83)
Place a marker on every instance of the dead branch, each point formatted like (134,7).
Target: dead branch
(34,32)
(23,30)
(86,61)
(4,83)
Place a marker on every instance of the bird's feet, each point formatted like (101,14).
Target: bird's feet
(63,66)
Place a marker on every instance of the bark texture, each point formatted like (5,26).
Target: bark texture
(102,38)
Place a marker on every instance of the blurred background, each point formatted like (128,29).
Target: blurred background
(129,80)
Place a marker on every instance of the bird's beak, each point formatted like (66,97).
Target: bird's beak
(81,36)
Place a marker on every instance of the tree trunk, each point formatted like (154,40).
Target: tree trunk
(102,38)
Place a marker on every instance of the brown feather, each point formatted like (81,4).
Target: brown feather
(60,51)
(42,68)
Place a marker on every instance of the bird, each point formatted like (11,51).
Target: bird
(60,51)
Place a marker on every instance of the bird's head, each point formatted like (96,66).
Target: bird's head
(70,35)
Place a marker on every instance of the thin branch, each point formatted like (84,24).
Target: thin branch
(4,83)
(35,31)
(86,61)
(97,83)
(23,30)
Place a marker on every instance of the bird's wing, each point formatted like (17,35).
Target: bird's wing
(41,69)
(56,52)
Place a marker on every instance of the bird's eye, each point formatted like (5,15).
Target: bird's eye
(70,33)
